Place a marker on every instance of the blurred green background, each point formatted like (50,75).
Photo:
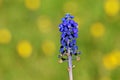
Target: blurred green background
(29,39)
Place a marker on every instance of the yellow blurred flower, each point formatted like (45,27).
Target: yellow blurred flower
(32,4)
(70,7)
(97,30)
(24,49)
(48,48)
(44,24)
(110,61)
(5,36)
(117,55)
(111,7)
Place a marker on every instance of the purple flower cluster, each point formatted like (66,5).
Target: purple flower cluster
(69,33)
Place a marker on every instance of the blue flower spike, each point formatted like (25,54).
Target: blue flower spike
(68,48)
(69,34)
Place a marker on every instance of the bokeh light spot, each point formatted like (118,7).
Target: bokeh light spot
(111,7)
(111,61)
(71,7)
(117,55)
(32,4)
(48,48)
(5,36)
(24,49)
(97,30)
(44,24)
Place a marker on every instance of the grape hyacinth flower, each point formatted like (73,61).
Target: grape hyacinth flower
(68,48)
